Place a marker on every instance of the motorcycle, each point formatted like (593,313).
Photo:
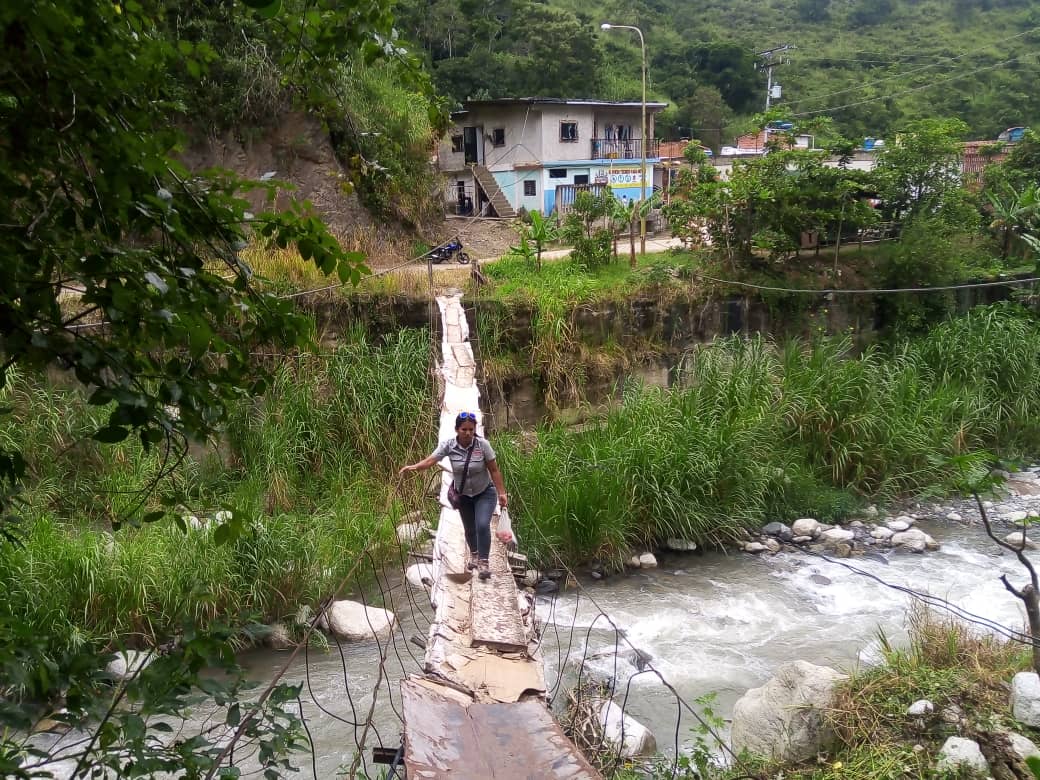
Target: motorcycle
(452,250)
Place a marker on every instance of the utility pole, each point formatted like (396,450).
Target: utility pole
(771,59)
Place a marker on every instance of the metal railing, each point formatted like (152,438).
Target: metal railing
(631,149)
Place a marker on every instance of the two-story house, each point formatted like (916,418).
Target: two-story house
(533,153)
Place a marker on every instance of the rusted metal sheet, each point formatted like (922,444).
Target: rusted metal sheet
(448,735)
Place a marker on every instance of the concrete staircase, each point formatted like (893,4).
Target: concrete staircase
(499,202)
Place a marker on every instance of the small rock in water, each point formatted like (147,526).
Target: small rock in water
(897,525)
(819,579)
(647,561)
(755,547)
(873,556)
(546,587)
(954,516)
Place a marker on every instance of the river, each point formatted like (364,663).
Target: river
(712,623)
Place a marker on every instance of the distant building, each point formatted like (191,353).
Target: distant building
(535,153)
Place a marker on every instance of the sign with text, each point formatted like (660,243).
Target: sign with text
(624,176)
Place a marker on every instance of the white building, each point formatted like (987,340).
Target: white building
(534,153)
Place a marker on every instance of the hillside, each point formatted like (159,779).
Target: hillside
(869,64)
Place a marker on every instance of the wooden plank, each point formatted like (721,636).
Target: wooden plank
(495,619)
(448,735)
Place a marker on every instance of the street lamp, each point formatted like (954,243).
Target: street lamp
(642,142)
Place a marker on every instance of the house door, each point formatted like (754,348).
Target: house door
(471,146)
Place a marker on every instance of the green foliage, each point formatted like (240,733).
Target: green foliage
(100,222)
(304,466)
(918,174)
(760,432)
(583,228)
(895,60)
(488,49)
(535,234)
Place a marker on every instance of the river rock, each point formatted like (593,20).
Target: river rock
(784,719)
(805,526)
(633,562)
(959,754)
(355,622)
(778,530)
(954,517)
(409,533)
(914,540)
(1020,540)
(127,664)
(532,577)
(1014,517)
(871,512)
(843,550)
(897,526)
(881,533)
(772,544)
(835,535)
(420,576)
(1025,698)
(755,547)
(920,707)
(624,731)
(802,539)
(647,561)
(1023,747)
(680,545)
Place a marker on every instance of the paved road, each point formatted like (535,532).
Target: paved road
(653,246)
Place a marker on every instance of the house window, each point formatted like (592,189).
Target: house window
(498,136)
(530,188)
(456,143)
(568,131)
(557,173)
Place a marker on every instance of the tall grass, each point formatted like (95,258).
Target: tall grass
(310,464)
(763,432)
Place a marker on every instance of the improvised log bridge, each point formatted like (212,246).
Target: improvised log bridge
(479,712)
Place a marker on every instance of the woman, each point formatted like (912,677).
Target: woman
(482,489)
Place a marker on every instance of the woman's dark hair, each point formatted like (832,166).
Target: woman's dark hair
(465,417)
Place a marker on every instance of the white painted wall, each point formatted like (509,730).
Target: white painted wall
(522,137)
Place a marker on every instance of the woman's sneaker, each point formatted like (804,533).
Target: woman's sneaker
(484,569)
(471,561)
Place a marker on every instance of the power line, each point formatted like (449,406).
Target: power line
(944,61)
(912,89)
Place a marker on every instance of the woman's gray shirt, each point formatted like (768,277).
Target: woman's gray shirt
(477,478)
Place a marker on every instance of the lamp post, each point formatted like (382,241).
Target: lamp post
(642,141)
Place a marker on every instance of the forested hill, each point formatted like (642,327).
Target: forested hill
(869,64)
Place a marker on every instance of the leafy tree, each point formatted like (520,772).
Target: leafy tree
(121,270)
(919,173)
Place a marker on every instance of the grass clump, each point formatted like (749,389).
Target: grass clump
(307,466)
(762,432)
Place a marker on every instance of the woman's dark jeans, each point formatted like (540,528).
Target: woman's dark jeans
(476,514)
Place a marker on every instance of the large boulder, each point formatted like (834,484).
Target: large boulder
(420,576)
(914,540)
(959,755)
(805,526)
(1025,698)
(354,622)
(632,737)
(784,719)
